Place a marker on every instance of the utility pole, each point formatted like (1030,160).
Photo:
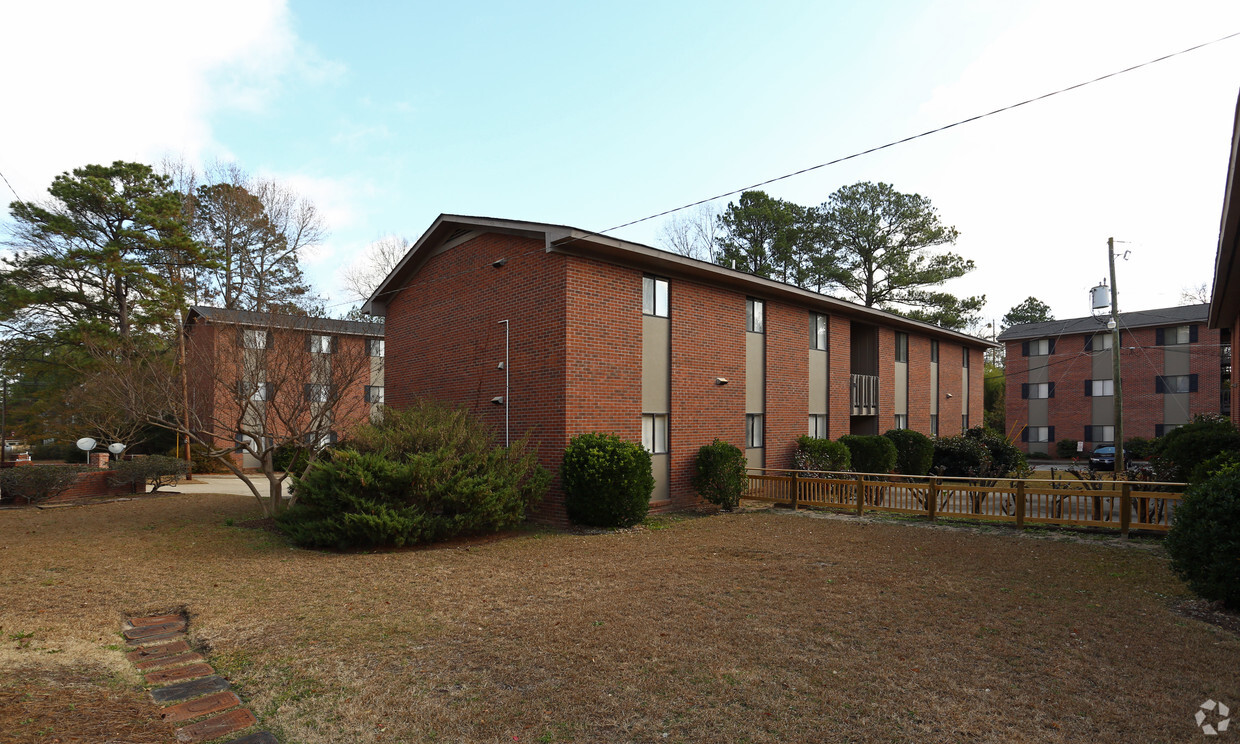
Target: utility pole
(1119,396)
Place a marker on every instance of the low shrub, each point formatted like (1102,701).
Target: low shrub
(1139,448)
(291,457)
(822,455)
(33,484)
(607,481)
(961,456)
(57,453)
(200,460)
(420,475)
(721,474)
(153,470)
(870,454)
(914,451)
(1178,452)
(1066,449)
(1204,540)
(1006,459)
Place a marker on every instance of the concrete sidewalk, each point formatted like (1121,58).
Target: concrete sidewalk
(227,483)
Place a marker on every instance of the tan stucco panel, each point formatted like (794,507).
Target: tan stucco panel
(817,382)
(755,373)
(656,359)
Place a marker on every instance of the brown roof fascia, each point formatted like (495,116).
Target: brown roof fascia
(1225,299)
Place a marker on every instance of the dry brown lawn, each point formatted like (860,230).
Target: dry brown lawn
(751,627)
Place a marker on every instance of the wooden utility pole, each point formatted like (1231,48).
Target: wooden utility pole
(1119,396)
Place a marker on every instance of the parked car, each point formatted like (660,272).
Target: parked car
(1103,457)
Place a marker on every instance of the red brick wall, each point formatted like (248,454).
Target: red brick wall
(919,383)
(91,485)
(977,387)
(951,381)
(886,379)
(839,400)
(787,381)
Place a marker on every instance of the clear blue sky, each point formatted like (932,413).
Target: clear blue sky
(387,114)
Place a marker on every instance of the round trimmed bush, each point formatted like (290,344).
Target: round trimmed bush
(821,455)
(721,475)
(1178,452)
(1204,541)
(914,451)
(607,481)
(870,453)
(1006,458)
(1066,449)
(961,456)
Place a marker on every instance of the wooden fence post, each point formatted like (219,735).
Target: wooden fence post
(1020,505)
(796,489)
(860,495)
(1125,509)
(932,499)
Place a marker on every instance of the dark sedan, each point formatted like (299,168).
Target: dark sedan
(1103,458)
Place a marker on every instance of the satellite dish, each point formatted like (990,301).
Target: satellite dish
(116,448)
(86,443)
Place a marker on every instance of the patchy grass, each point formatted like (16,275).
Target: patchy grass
(749,627)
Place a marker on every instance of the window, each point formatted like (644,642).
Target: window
(321,439)
(1099,342)
(374,393)
(818,425)
(1037,434)
(1185,334)
(374,347)
(902,348)
(1097,388)
(964,422)
(754,310)
(317,393)
(934,424)
(1099,433)
(319,344)
(257,391)
(964,357)
(254,339)
(1175,384)
(753,430)
(654,433)
(934,352)
(1037,390)
(1040,347)
(654,296)
(1161,429)
(818,333)
(901,421)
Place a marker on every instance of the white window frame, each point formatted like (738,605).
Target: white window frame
(261,392)
(654,296)
(754,431)
(818,425)
(819,332)
(1039,434)
(1108,433)
(654,433)
(1040,347)
(1102,341)
(375,343)
(372,393)
(901,351)
(317,393)
(320,344)
(1182,334)
(755,315)
(1172,383)
(1102,388)
(901,421)
(254,338)
(1038,390)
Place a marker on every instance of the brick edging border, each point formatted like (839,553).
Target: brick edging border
(186,685)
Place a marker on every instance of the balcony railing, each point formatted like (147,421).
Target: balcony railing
(864,395)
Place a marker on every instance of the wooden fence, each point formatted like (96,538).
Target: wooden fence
(1118,505)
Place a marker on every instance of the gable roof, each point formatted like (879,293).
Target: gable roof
(284,321)
(1166,316)
(1225,299)
(448,230)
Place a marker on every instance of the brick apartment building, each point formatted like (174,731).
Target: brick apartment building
(1060,376)
(552,331)
(1225,300)
(268,375)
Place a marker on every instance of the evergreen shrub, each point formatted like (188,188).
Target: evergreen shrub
(1204,540)
(914,451)
(721,475)
(33,484)
(419,475)
(1066,449)
(607,481)
(870,453)
(821,455)
(154,470)
(1178,452)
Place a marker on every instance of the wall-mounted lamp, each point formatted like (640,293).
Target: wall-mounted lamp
(499,263)
(498,400)
(949,395)
(500,365)
(721,381)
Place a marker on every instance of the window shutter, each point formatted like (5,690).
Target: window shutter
(1089,388)
(1160,385)
(1158,430)
(1051,347)
(366,393)
(1089,343)
(1024,390)
(241,388)
(308,393)
(240,337)
(1024,348)
(1050,433)
(1050,390)
(1192,381)
(1159,337)
(1024,434)
(331,437)
(1192,334)
(271,338)
(270,390)
(335,344)
(309,342)
(1089,433)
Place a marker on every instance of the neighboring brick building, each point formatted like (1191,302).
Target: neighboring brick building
(265,376)
(604,335)
(1225,300)
(1060,376)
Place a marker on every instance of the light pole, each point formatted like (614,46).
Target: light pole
(1113,324)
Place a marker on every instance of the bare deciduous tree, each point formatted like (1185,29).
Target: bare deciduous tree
(693,233)
(1197,294)
(362,278)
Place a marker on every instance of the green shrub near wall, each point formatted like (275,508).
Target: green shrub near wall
(1204,541)
(607,481)
(1178,452)
(960,456)
(822,455)
(154,470)
(870,454)
(1066,449)
(720,475)
(914,451)
(32,484)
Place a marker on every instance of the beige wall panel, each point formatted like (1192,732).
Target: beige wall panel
(1102,413)
(1038,409)
(901,381)
(659,468)
(656,357)
(817,381)
(1038,371)
(1101,366)
(376,370)
(755,457)
(755,373)
(934,388)
(1175,408)
(1175,360)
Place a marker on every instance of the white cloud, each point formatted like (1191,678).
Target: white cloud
(96,82)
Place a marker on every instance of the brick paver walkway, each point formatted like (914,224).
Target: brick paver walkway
(187,685)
